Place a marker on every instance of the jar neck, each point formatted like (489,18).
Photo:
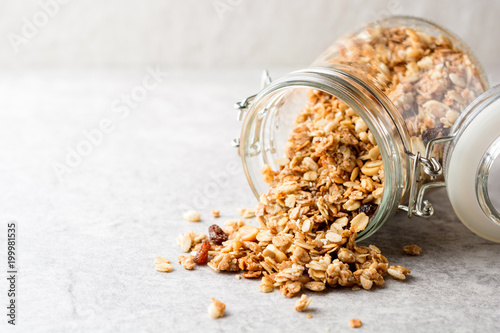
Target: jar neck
(369,102)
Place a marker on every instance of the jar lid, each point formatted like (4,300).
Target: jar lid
(473,166)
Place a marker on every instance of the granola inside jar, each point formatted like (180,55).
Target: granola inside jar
(345,143)
(428,73)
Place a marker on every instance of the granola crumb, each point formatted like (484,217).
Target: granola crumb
(356,288)
(309,316)
(303,303)
(191,216)
(413,250)
(216,308)
(162,264)
(238,277)
(355,323)
(186,261)
(246,213)
(215,213)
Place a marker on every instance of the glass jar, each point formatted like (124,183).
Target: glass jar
(395,93)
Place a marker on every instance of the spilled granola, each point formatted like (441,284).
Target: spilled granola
(303,303)
(216,309)
(413,250)
(186,261)
(162,264)
(191,216)
(215,213)
(331,181)
(355,323)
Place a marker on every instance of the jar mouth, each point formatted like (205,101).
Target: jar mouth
(259,146)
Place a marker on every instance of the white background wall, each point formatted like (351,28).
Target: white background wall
(189,33)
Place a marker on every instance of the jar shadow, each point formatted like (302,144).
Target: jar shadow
(442,237)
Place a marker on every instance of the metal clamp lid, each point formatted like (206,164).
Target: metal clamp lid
(416,204)
(244,105)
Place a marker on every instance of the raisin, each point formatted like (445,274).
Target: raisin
(201,257)
(217,235)
(445,131)
(369,209)
(430,134)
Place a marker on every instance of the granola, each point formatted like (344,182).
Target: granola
(398,272)
(355,323)
(190,240)
(186,261)
(162,264)
(330,183)
(303,303)
(430,79)
(246,213)
(191,216)
(293,261)
(216,309)
(413,250)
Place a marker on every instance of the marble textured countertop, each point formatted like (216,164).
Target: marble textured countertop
(88,233)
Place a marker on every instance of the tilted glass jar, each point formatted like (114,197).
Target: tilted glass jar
(410,81)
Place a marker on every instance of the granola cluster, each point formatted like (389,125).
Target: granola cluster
(292,260)
(429,79)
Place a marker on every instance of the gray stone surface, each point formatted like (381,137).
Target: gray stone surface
(88,240)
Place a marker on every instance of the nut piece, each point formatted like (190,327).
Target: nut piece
(191,216)
(275,254)
(413,250)
(216,308)
(303,303)
(355,323)
(163,264)
(215,213)
(398,272)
